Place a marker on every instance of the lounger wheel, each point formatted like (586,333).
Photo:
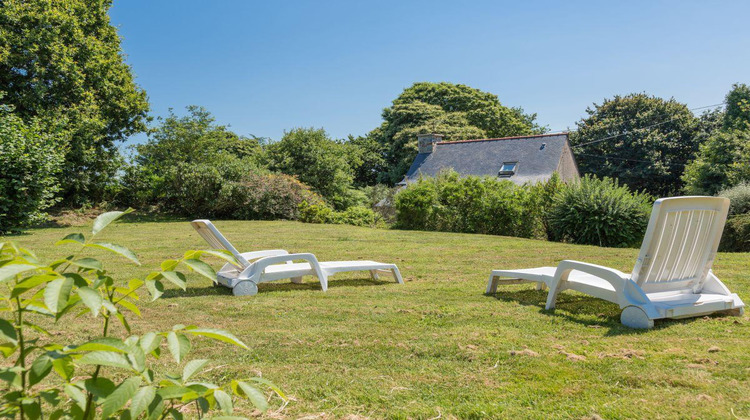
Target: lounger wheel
(245,288)
(635,317)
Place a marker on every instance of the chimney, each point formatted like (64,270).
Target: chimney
(426,142)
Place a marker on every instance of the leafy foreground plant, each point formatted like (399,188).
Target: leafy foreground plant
(84,386)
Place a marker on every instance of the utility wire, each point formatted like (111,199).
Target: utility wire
(644,128)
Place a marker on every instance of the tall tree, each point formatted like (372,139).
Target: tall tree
(60,60)
(724,158)
(642,140)
(454,110)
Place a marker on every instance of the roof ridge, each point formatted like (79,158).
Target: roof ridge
(503,138)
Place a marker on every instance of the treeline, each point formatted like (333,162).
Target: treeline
(69,100)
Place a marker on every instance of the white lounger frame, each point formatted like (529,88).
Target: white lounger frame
(672,277)
(276,264)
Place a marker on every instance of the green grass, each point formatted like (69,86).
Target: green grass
(436,346)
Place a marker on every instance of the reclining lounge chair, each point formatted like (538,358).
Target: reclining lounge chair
(263,266)
(672,277)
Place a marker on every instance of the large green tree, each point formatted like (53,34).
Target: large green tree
(454,110)
(724,158)
(318,161)
(61,61)
(642,140)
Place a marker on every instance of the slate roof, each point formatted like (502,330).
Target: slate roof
(486,156)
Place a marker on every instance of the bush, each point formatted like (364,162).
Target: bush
(264,197)
(599,212)
(736,236)
(739,198)
(470,204)
(355,216)
(30,161)
(110,374)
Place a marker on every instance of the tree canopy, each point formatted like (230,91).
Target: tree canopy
(642,140)
(61,61)
(454,110)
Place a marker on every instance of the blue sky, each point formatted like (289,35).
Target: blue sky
(267,66)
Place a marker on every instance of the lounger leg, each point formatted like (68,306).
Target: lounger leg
(297,280)
(374,275)
(554,289)
(397,275)
(540,285)
(492,285)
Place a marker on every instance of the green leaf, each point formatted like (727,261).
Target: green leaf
(217,335)
(141,401)
(88,263)
(57,293)
(8,271)
(149,342)
(178,345)
(117,249)
(192,367)
(172,392)
(169,265)
(76,395)
(129,306)
(176,277)
(103,344)
(120,396)
(91,298)
(73,238)
(11,376)
(224,400)
(8,331)
(64,367)
(220,253)
(100,387)
(30,283)
(201,268)
(40,368)
(155,289)
(271,385)
(7,349)
(105,358)
(253,394)
(104,219)
(123,321)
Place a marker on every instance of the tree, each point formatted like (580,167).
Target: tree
(454,110)
(317,161)
(61,61)
(31,160)
(642,140)
(365,156)
(724,159)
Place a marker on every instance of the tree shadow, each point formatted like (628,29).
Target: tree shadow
(282,286)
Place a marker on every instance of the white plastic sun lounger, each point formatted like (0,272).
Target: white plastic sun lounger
(276,264)
(672,277)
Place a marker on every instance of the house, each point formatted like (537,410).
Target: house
(527,159)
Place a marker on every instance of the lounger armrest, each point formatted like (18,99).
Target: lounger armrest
(626,289)
(260,254)
(258,267)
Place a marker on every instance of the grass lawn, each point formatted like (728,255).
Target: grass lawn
(436,347)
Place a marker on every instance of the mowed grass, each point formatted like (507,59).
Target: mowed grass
(437,347)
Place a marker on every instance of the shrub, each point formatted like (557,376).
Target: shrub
(315,213)
(470,204)
(736,236)
(356,216)
(30,161)
(264,197)
(739,198)
(99,377)
(599,212)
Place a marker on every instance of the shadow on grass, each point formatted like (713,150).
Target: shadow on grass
(282,286)
(579,308)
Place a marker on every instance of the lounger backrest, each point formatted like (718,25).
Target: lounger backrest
(681,240)
(214,238)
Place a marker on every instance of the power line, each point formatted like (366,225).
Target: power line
(645,128)
(626,159)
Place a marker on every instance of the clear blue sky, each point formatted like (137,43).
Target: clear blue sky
(267,66)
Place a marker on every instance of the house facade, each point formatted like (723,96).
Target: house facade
(526,159)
